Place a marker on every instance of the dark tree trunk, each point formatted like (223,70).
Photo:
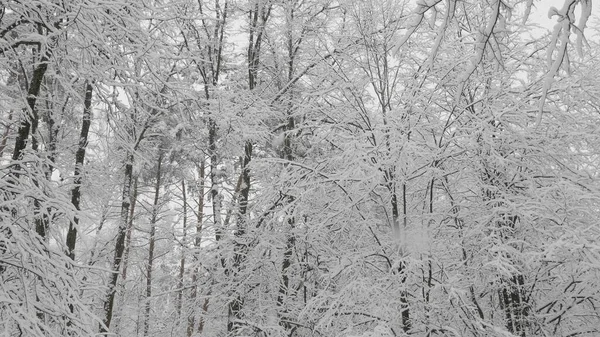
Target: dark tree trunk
(134,197)
(183,251)
(5,134)
(513,298)
(27,126)
(78,174)
(119,245)
(258,17)
(152,243)
(197,242)
(32,95)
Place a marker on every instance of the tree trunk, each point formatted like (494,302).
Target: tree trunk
(258,18)
(27,123)
(119,245)
(183,251)
(32,95)
(214,183)
(134,198)
(6,133)
(150,264)
(235,306)
(513,298)
(78,174)
(197,242)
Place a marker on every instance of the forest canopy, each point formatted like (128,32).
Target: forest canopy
(296,168)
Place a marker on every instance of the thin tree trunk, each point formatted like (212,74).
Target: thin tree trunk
(5,134)
(406,324)
(197,242)
(513,298)
(78,174)
(289,155)
(13,80)
(428,278)
(119,245)
(32,95)
(183,250)
(214,183)
(53,130)
(150,264)
(258,18)
(235,306)
(27,126)
(204,311)
(134,197)
(210,77)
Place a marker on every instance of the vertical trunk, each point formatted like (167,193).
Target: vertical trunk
(197,242)
(32,95)
(53,130)
(514,303)
(27,126)
(406,324)
(79,158)
(134,197)
(287,254)
(288,154)
(150,264)
(12,81)
(119,245)
(383,90)
(258,17)
(204,311)
(5,134)
(235,306)
(214,183)
(183,251)
(245,188)
(210,72)
(390,179)
(428,278)
(285,279)
(513,298)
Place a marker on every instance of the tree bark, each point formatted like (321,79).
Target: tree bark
(32,95)
(78,174)
(119,245)
(197,242)
(134,198)
(258,17)
(152,243)
(183,250)
(5,134)
(28,123)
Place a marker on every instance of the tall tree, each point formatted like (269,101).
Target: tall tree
(79,160)
(152,242)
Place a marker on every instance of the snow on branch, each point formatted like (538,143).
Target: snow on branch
(560,41)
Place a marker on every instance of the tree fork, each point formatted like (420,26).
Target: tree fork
(32,95)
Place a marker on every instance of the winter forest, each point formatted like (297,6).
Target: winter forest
(296,168)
